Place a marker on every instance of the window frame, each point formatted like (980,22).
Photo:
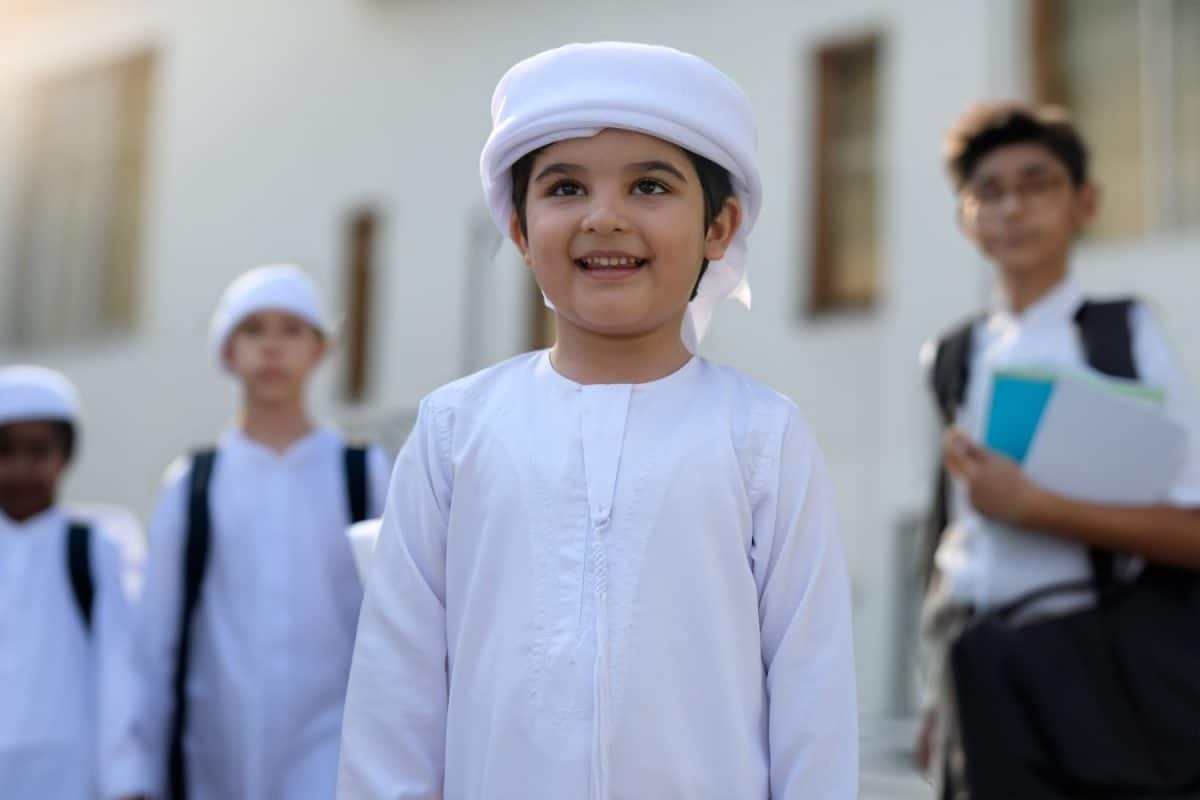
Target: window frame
(822,298)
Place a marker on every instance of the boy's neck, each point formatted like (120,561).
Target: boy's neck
(276,426)
(590,358)
(1024,287)
(22,515)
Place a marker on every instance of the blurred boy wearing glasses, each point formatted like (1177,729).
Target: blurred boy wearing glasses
(1021,176)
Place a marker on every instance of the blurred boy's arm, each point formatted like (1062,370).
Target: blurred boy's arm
(807,641)
(393,735)
(999,490)
(156,629)
(118,762)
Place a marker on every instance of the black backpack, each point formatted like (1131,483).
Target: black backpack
(1103,702)
(199,530)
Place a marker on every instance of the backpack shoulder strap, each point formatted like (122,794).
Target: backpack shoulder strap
(948,380)
(355,461)
(199,525)
(79,567)
(951,369)
(1105,328)
(1107,336)
(195,561)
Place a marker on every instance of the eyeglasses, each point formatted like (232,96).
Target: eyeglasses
(1034,193)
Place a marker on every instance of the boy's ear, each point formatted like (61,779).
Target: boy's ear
(965,224)
(1087,205)
(517,236)
(723,229)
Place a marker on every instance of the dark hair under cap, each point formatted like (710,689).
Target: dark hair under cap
(987,127)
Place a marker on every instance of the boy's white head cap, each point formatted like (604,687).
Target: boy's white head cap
(29,393)
(580,89)
(275,287)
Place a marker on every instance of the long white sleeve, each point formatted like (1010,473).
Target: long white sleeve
(157,628)
(393,737)
(804,606)
(116,680)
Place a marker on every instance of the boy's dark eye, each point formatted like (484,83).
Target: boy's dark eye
(988,193)
(566,189)
(1038,184)
(649,186)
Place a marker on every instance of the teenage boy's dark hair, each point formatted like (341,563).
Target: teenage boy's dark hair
(715,185)
(989,126)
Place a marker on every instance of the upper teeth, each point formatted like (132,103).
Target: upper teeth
(623,261)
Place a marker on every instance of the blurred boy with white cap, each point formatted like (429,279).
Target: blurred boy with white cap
(251,594)
(66,678)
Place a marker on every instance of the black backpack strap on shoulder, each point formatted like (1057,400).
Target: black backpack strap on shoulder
(948,380)
(79,567)
(951,369)
(355,460)
(1107,336)
(195,560)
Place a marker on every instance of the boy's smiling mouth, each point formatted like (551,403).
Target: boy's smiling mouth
(610,264)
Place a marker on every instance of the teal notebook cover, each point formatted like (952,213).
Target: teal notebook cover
(1018,400)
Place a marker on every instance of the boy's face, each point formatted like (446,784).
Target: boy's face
(273,353)
(616,232)
(1022,210)
(33,458)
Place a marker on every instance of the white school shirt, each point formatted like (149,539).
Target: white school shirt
(274,624)
(66,694)
(614,592)
(989,563)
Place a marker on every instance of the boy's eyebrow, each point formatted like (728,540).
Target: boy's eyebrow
(1026,171)
(657,166)
(654,165)
(558,168)
(1031,170)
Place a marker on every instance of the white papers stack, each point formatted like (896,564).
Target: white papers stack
(1098,445)
(1084,437)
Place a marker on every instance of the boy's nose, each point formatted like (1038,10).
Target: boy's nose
(1012,202)
(605,218)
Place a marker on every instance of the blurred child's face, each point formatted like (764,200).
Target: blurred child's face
(33,457)
(1022,210)
(616,234)
(273,353)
